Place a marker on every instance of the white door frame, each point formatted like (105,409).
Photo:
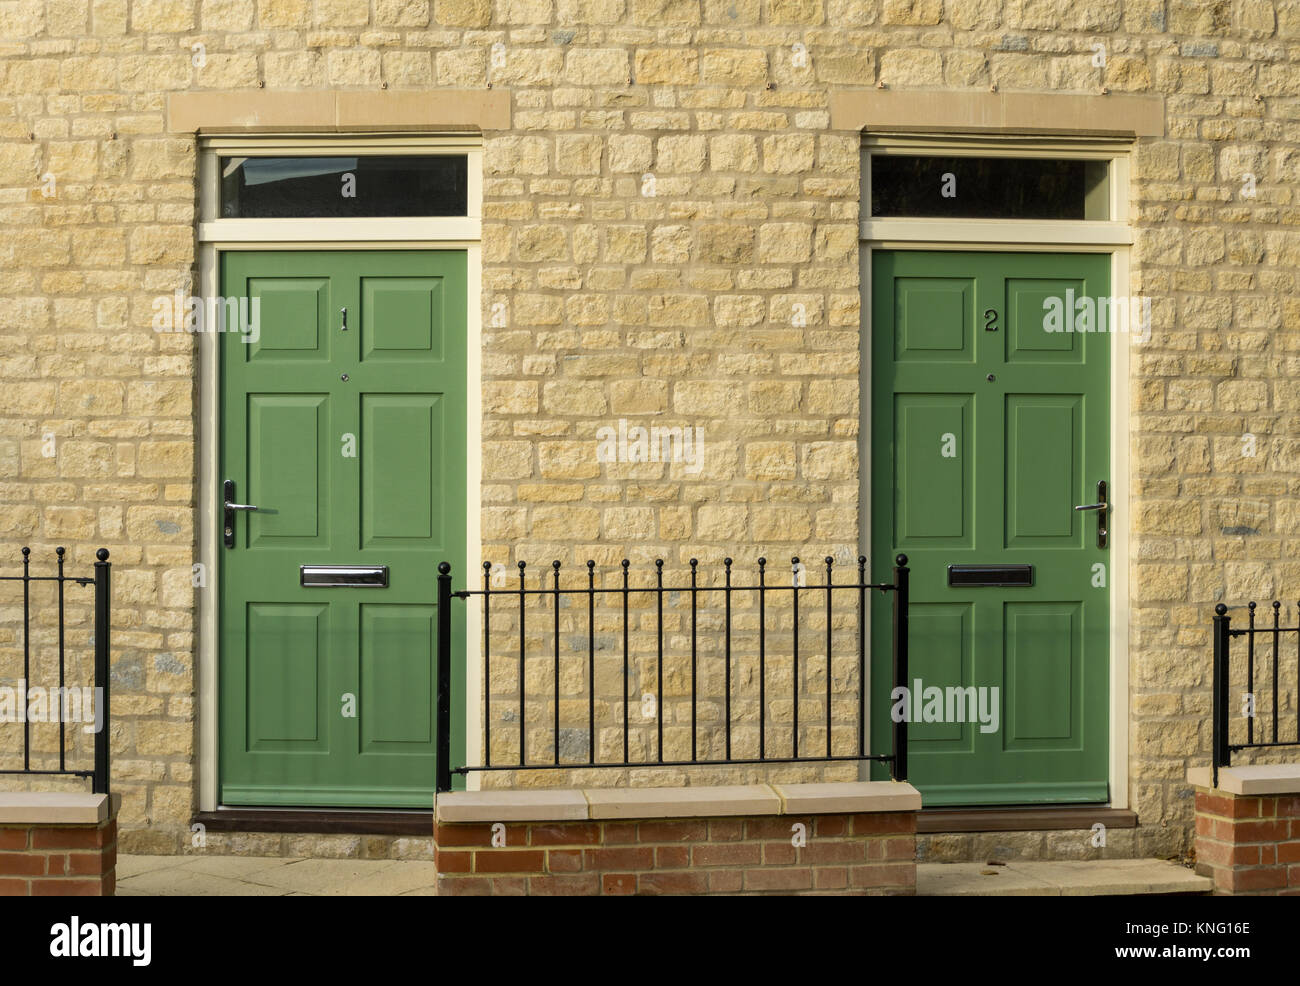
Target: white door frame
(1113,237)
(217,235)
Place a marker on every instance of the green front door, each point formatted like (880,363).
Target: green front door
(343,411)
(990,423)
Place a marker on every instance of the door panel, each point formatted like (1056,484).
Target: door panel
(932,485)
(988,427)
(292,316)
(288,464)
(344,423)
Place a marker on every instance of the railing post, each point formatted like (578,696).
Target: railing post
(444,678)
(1222,755)
(103,595)
(898,766)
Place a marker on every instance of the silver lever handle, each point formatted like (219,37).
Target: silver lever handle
(229,508)
(1102,506)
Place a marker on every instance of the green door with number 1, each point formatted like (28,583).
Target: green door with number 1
(343,423)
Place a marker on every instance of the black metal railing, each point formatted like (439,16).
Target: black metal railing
(739,636)
(1265,668)
(31,704)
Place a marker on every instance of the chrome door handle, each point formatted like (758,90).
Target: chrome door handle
(229,509)
(1101,506)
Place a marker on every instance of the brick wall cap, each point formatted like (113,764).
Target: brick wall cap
(854,797)
(511,806)
(684,802)
(1254,779)
(54,808)
(850,797)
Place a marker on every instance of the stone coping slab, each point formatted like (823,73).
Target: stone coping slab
(1250,779)
(850,797)
(511,806)
(847,798)
(54,808)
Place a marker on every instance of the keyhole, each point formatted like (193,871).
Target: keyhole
(991,378)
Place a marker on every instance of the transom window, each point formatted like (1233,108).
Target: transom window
(970,187)
(371,186)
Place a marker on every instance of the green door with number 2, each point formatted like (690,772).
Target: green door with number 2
(989,426)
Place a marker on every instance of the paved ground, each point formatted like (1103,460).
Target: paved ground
(262,876)
(1063,879)
(259,876)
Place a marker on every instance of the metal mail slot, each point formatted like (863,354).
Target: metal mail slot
(976,575)
(324,576)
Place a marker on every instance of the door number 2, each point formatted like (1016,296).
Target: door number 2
(990,320)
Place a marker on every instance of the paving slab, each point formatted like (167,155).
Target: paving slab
(180,881)
(270,876)
(969,880)
(236,867)
(1072,878)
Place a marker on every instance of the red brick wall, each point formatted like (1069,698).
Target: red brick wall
(1249,844)
(58,860)
(844,854)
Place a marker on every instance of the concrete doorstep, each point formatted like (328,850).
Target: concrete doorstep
(1073,878)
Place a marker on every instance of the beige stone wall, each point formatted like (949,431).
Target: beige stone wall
(675,307)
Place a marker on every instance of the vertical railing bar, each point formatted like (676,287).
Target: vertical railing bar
(694,661)
(487,663)
(902,593)
(103,598)
(659,667)
(523,749)
(862,655)
(1221,755)
(762,659)
(829,590)
(1277,609)
(1297,671)
(62,680)
(555,645)
(625,661)
(442,782)
(794,564)
(591,661)
(726,597)
(1250,674)
(27,653)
